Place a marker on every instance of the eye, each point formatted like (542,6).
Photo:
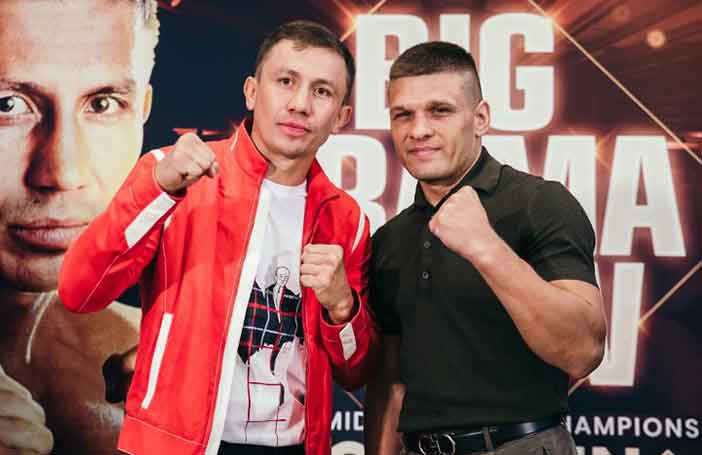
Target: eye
(400,115)
(441,110)
(104,105)
(323,91)
(13,105)
(285,81)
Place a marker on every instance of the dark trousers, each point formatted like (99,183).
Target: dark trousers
(554,441)
(227,448)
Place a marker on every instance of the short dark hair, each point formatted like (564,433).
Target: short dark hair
(309,34)
(435,57)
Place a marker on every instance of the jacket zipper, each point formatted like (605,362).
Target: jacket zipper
(230,313)
(305,312)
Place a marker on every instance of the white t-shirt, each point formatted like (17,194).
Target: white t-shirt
(266,405)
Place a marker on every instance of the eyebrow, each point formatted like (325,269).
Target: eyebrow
(437,103)
(124,86)
(319,80)
(427,105)
(22,86)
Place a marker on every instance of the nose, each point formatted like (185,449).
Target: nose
(420,129)
(300,101)
(60,158)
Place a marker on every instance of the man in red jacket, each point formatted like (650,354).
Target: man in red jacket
(253,280)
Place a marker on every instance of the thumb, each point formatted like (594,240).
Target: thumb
(434,225)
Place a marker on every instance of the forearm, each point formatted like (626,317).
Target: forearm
(110,254)
(563,328)
(382,413)
(353,346)
(384,396)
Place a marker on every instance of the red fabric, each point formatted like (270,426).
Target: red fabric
(191,269)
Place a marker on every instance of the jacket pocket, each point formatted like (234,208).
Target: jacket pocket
(157,358)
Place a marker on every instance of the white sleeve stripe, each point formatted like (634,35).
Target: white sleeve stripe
(348,341)
(157,358)
(158,154)
(147,218)
(359,231)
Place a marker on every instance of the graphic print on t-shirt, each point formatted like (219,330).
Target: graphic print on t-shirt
(266,403)
(273,318)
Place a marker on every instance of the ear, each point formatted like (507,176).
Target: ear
(148,99)
(482,118)
(343,118)
(250,87)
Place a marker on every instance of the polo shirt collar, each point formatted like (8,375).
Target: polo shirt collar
(483,176)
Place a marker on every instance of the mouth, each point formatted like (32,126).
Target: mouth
(423,151)
(47,235)
(294,129)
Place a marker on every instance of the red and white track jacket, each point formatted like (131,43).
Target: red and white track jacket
(190,256)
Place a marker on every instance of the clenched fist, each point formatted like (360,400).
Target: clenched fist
(190,159)
(461,223)
(22,420)
(323,270)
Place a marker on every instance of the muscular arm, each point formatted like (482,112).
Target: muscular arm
(562,321)
(384,396)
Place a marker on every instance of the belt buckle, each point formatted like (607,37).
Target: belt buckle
(434,444)
(451,441)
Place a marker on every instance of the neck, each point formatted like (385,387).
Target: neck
(434,191)
(16,302)
(281,169)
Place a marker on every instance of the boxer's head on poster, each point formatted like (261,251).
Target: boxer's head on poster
(437,112)
(300,92)
(74,95)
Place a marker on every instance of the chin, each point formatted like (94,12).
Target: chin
(426,175)
(37,275)
(293,152)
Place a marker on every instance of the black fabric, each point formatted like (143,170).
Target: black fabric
(227,448)
(474,439)
(463,361)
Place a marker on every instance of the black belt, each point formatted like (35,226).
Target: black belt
(479,439)
(227,448)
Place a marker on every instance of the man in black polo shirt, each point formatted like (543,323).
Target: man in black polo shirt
(484,288)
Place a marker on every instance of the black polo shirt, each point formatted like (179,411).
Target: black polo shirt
(463,362)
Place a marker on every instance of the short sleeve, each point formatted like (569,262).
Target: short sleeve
(560,238)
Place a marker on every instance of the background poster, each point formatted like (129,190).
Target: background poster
(602,95)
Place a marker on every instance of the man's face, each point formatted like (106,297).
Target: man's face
(282,275)
(297,100)
(435,125)
(73,99)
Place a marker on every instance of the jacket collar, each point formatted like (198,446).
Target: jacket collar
(254,164)
(246,155)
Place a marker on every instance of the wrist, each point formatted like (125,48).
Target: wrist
(342,312)
(174,192)
(485,251)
